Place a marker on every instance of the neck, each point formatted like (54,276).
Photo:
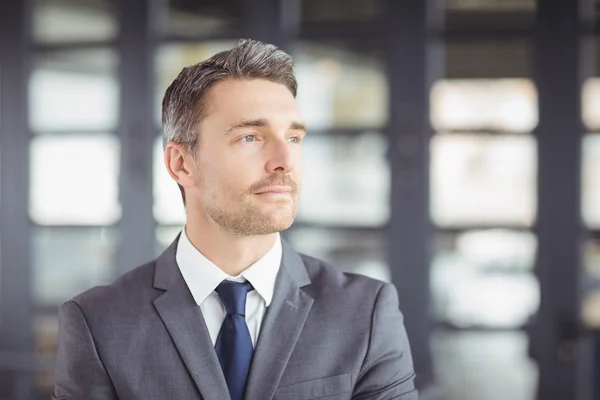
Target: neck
(231,253)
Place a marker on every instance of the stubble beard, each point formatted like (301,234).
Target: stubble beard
(240,217)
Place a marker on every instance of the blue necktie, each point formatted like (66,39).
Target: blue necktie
(234,345)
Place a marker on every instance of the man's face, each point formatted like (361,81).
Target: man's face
(249,157)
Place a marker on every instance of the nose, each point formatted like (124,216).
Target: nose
(281,157)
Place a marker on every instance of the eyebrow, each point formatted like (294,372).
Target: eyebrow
(261,123)
(298,126)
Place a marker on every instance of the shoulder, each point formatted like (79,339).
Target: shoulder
(335,277)
(330,283)
(132,288)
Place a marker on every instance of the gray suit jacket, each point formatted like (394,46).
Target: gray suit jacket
(326,335)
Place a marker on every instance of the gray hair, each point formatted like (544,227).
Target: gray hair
(185,102)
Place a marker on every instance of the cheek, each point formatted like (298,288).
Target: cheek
(235,175)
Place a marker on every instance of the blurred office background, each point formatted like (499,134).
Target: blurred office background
(452,150)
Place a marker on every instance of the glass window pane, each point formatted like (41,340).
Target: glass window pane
(590,103)
(591,181)
(483,179)
(341,10)
(339,87)
(193,18)
(67,261)
(591,259)
(508,105)
(346,180)
(590,309)
(74,180)
(351,251)
(483,59)
(168,204)
(74,20)
(490,5)
(485,279)
(484,365)
(74,90)
(171,59)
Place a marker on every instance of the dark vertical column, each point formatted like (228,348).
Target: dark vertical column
(413,65)
(561,65)
(16,309)
(272,21)
(137,131)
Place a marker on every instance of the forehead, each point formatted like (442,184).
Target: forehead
(234,99)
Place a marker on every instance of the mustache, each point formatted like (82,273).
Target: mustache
(274,180)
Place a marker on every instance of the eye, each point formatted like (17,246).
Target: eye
(294,139)
(248,138)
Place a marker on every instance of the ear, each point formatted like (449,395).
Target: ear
(177,160)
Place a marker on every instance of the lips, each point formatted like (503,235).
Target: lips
(275,190)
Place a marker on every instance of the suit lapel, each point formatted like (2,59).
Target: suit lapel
(281,327)
(185,324)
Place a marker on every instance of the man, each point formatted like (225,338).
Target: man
(230,310)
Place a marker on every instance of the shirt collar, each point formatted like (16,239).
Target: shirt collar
(202,276)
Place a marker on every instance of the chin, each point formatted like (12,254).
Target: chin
(280,224)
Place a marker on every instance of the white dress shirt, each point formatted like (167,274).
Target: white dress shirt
(202,278)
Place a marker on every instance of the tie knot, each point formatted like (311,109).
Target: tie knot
(233,295)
